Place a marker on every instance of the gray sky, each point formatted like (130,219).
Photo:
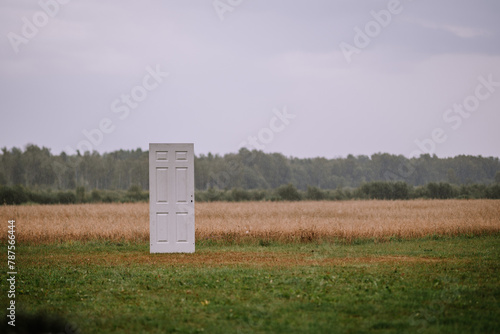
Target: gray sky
(304,78)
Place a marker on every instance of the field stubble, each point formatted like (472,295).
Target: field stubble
(262,221)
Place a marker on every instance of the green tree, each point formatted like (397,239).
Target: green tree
(451,176)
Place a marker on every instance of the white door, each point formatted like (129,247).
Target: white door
(171,198)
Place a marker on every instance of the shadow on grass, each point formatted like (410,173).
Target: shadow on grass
(41,322)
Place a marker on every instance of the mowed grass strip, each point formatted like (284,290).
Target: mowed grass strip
(432,285)
(262,221)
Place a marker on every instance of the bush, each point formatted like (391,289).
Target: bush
(384,190)
(375,190)
(315,194)
(13,195)
(95,196)
(441,190)
(210,195)
(339,194)
(493,192)
(239,195)
(80,194)
(18,195)
(43,197)
(135,194)
(66,197)
(110,196)
(420,192)
(258,195)
(288,193)
(473,191)
(401,190)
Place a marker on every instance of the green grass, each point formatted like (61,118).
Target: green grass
(433,285)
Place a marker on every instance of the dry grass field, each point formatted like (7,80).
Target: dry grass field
(266,221)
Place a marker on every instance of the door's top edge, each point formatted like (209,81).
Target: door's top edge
(171,143)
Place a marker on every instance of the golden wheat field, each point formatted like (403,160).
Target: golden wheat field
(280,221)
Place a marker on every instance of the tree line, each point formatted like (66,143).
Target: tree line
(258,170)
(38,169)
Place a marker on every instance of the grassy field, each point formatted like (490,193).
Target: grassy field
(322,267)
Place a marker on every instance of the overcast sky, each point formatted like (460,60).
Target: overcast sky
(303,78)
